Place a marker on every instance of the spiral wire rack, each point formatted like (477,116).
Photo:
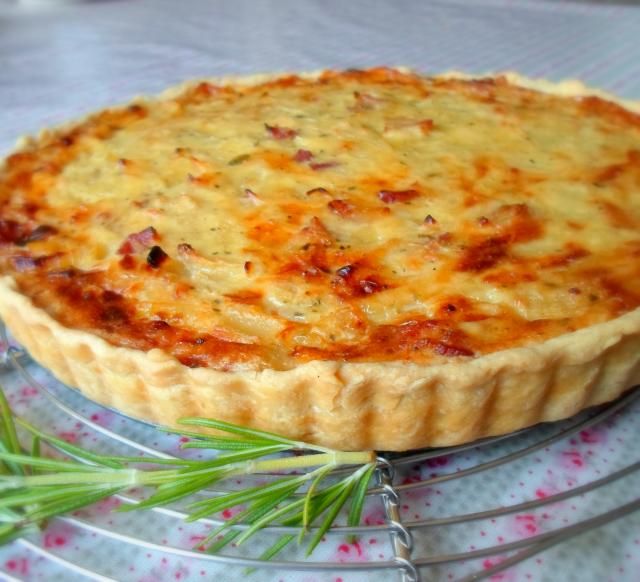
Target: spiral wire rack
(386,490)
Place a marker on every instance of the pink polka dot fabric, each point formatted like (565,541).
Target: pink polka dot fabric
(426,493)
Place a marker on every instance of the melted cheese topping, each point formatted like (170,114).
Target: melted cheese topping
(360,216)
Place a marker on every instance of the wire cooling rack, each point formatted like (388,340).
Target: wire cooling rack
(406,515)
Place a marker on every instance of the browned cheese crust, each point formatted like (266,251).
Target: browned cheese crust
(362,259)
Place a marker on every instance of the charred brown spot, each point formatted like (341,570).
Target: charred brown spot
(516,223)
(113,314)
(483,255)
(31,208)
(342,208)
(418,335)
(456,308)
(88,303)
(608,110)
(111,296)
(310,262)
(193,361)
(39,233)
(21,159)
(156,257)
(481,89)
(138,110)
(205,90)
(621,298)
(356,281)
(12,231)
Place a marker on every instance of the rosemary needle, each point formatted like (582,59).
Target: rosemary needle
(35,487)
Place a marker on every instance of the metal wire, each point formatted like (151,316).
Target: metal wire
(8,577)
(550,539)
(404,562)
(224,559)
(580,426)
(70,566)
(527,505)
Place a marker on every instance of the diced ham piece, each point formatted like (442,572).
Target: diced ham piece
(399,123)
(392,196)
(253,197)
(366,100)
(323,165)
(277,132)
(341,207)
(303,156)
(139,241)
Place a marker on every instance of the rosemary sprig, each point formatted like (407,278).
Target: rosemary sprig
(35,488)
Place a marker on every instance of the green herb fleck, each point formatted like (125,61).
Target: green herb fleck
(239,159)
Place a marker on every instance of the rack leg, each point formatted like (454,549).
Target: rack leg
(401,539)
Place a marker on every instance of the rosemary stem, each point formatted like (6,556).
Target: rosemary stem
(133,477)
(335,458)
(35,488)
(124,477)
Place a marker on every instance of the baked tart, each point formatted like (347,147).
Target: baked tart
(361,259)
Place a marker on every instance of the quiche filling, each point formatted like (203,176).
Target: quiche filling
(357,216)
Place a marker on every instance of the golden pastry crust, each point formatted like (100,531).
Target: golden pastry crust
(384,405)
(349,406)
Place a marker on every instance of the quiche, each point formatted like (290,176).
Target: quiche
(366,259)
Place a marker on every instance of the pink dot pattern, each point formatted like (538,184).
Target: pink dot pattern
(612,551)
